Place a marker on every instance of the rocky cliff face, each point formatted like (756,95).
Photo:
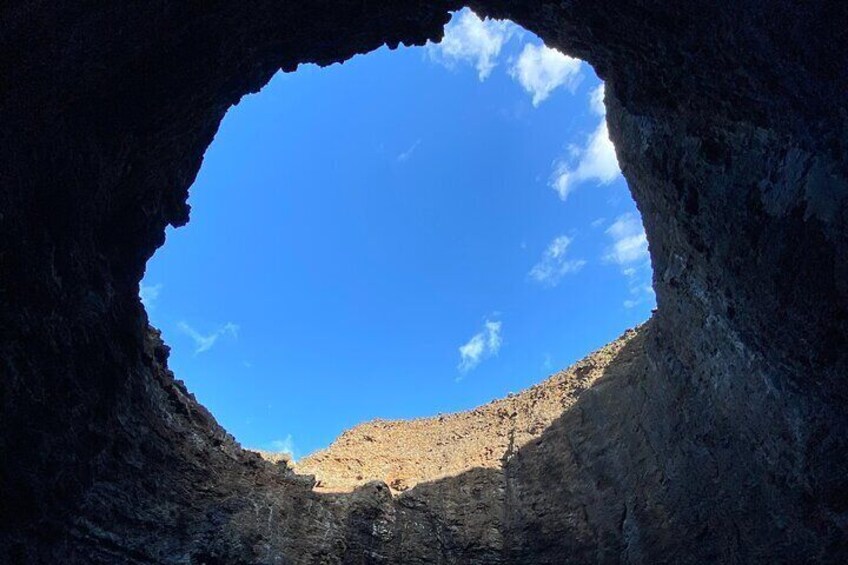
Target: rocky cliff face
(724,440)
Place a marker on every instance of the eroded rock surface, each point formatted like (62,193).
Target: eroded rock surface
(726,440)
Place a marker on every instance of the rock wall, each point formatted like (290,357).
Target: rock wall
(724,441)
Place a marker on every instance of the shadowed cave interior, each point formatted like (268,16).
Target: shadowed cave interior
(718,434)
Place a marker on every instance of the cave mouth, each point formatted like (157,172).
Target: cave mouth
(424,211)
(730,445)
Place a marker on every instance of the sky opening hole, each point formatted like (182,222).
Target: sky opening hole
(413,232)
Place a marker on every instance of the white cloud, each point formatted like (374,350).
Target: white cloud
(540,70)
(285,445)
(596,100)
(482,345)
(404,156)
(149,294)
(629,250)
(468,39)
(205,342)
(629,243)
(639,292)
(554,263)
(593,161)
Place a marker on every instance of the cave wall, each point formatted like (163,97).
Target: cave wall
(730,125)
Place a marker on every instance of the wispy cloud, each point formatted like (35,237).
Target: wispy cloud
(629,250)
(629,243)
(149,294)
(204,342)
(596,100)
(285,445)
(482,345)
(405,155)
(554,264)
(540,70)
(639,285)
(595,160)
(471,40)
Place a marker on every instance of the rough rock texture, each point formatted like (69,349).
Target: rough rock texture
(725,440)
(403,453)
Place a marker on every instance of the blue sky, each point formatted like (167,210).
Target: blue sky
(412,232)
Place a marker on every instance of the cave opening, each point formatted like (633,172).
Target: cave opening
(414,232)
(721,436)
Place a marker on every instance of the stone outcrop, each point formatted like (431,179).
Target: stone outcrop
(724,440)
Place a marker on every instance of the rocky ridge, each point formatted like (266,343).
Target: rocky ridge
(403,453)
